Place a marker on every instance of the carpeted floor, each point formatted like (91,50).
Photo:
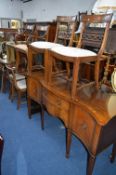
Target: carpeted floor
(30,151)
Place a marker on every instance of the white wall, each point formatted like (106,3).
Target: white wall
(47,10)
(10,9)
(43,10)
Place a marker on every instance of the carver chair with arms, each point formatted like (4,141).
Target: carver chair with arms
(17,84)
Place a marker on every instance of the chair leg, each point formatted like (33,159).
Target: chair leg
(68,142)
(113,155)
(19,100)
(42,117)
(3,82)
(1,150)
(12,92)
(90,164)
(29,106)
(97,64)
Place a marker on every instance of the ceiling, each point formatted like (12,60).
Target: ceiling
(24,1)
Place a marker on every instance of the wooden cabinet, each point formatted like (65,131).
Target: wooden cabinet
(93,121)
(55,105)
(83,124)
(87,110)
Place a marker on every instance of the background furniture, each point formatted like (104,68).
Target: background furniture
(1,150)
(66,26)
(17,83)
(37,29)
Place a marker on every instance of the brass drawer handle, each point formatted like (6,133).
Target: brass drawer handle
(84,126)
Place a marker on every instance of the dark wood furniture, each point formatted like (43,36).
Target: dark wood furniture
(87,111)
(3,63)
(110,52)
(93,122)
(94,37)
(35,74)
(66,26)
(1,150)
(91,116)
(17,83)
(9,34)
(34,31)
(42,32)
(21,51)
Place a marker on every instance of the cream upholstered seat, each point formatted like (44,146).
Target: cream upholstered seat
(73,52)
(44,44)
(21,84)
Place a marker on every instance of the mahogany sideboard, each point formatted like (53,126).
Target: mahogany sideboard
(87,111)
(91,116)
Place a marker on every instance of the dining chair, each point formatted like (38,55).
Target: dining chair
(93,36)
(65,29)
(17,84)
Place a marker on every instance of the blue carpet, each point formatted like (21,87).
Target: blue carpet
(30,151)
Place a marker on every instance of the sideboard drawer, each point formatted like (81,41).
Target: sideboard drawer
(56,106)
(83,125)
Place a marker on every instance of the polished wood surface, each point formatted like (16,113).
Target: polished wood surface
(35,73)
(87,110)
(21,51)
(9,33)
(91,116)
(66,26)
(35,32)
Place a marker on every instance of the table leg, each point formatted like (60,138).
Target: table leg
(29,106)
(90,164)
(1,150)
(113,155)
(42,116)
(68,142)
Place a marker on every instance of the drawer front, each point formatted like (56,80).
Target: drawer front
(83,126)
(34,89)
(56,106)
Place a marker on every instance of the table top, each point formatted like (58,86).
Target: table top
(101,102)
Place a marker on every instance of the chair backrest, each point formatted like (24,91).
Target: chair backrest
(42,32)
(11,70)
(65,29)
(94,32)
(80,14)
(13,76)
